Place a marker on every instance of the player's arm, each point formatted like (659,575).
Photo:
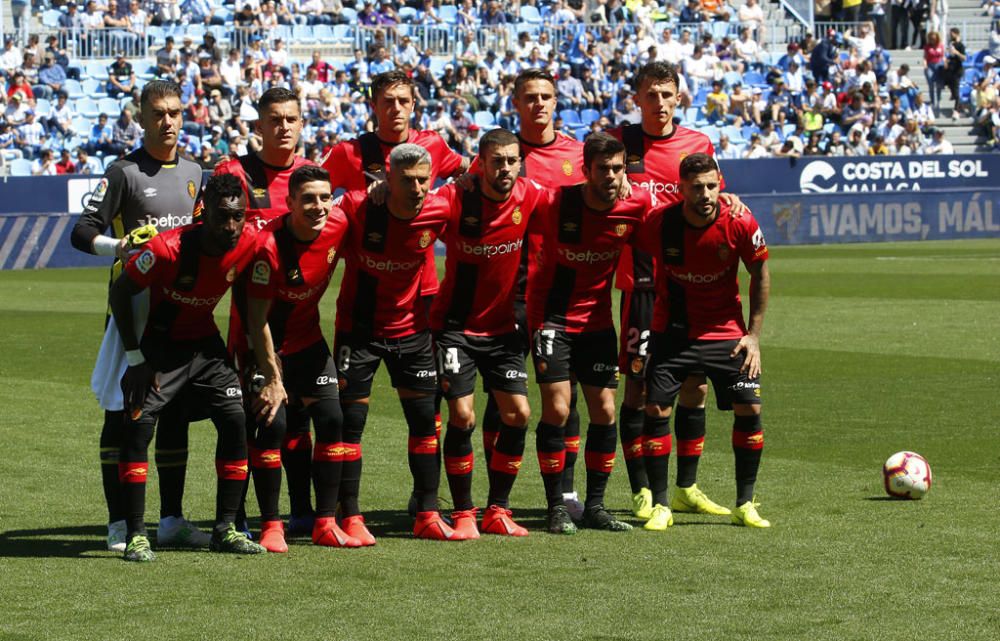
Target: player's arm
(88,233)
(139,376)
(760,288)
(272,395)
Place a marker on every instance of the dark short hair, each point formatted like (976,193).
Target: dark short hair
(306,174)
(656,71)
(276,95)
(697,164)
(601,144)
(221,186)
(383,81)
(496,138)
(159,89)
(532,74)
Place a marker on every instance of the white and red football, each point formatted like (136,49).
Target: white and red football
(907,475)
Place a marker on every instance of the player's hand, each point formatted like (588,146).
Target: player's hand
(466,182)
(751,363)
(625,191)
(122,252)
(266,404)
(736,206)
(136,384)
(378,191)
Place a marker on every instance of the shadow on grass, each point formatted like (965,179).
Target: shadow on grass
(83,541)
(890,499)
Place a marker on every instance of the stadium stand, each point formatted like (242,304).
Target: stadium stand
(844,73)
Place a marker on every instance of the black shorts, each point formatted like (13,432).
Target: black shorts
(201,370)
(672,360)
(310,373)
(592,357)
(499,359)
(636,320)
(410,361)
(521,326)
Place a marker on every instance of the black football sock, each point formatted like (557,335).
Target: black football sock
(656,446)
(171,458)
(571,438)
(328,455)
(110,450)
(133,470)
(491,427)
(551,450)
(231,464)
(630,429)
(422,451)
(748,445)
(505,463)
(458,463)
(296,457)
(689,426)
(355,416)
(602,440)
(265,463)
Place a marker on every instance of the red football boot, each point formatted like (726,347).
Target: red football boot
(430,525)
(497,520)
(464,524)
(354,526)
(327,532)
(272,536)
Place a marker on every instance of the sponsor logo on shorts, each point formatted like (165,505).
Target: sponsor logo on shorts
(605,367)
(389,265)
(234,392)
(145,261)
(323,380)
(742,385)
(515,375)
(261,274)
(426,373)
(491,250)
(589,256)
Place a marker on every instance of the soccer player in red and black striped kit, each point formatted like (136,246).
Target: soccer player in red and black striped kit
(653,151)
(569,314)
(265,176)
(357,164)
(187,270)
(698,326)
(295,259)
(474,326)
(552,160)
(381,317)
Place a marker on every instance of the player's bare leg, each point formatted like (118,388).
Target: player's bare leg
(459,461)
(551,447)
(689,424)
(599,454)
(748,445)
(505,463)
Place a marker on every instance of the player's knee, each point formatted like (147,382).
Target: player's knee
(269,437)
(746,409)
(693,393)
(635,393)
(555,414)
(604,413)
(519,416)
(328,418)
(461,416)
(658,410)
(355,417)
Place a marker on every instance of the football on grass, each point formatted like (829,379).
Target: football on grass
(907,475)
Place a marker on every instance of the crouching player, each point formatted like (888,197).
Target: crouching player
(474,326)
(698,327)
(296,256)
(569,311)
(187,270)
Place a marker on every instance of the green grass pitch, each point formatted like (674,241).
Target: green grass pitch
(867,349)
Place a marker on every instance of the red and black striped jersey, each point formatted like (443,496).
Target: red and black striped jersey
(266,185)
(697,286)
(380,295)
(185,284)
(294,275)
(653,163)
(484,240)
(570,289)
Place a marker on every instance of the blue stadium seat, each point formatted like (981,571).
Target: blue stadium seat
(50,17)
(109,106)
(324,33)
(106,162)
(700,99)
(95,165)
(42,107)
(87,108)
(95,69)
(303,34)
(711,132)
(94,88)
(407,14)
(448,13)
(20,167)
(754,78)
(581,133)
(530,14)
(484,119)
(343,33)
(731,78)
(734,133)
(157,33)
(588,116)
(571,117)
(349,15)
(81,125)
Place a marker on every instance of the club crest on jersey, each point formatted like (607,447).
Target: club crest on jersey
(330,255)
(145,261)
(261,273)
(516,216)
(567,167)
(723,252)
(621,229)
(425,239)
(231,274)
(192,190)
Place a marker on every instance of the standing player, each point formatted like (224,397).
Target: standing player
(698,326)
(293,265)
(187,270)
(381,316)
(654,150)
(552,161)
(474,326)
(152,186)
(265,175)
(569,312)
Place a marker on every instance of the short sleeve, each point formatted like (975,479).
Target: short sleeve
(753,247)
(147,265)
(263,268)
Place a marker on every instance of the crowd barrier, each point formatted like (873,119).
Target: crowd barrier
(797,201)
